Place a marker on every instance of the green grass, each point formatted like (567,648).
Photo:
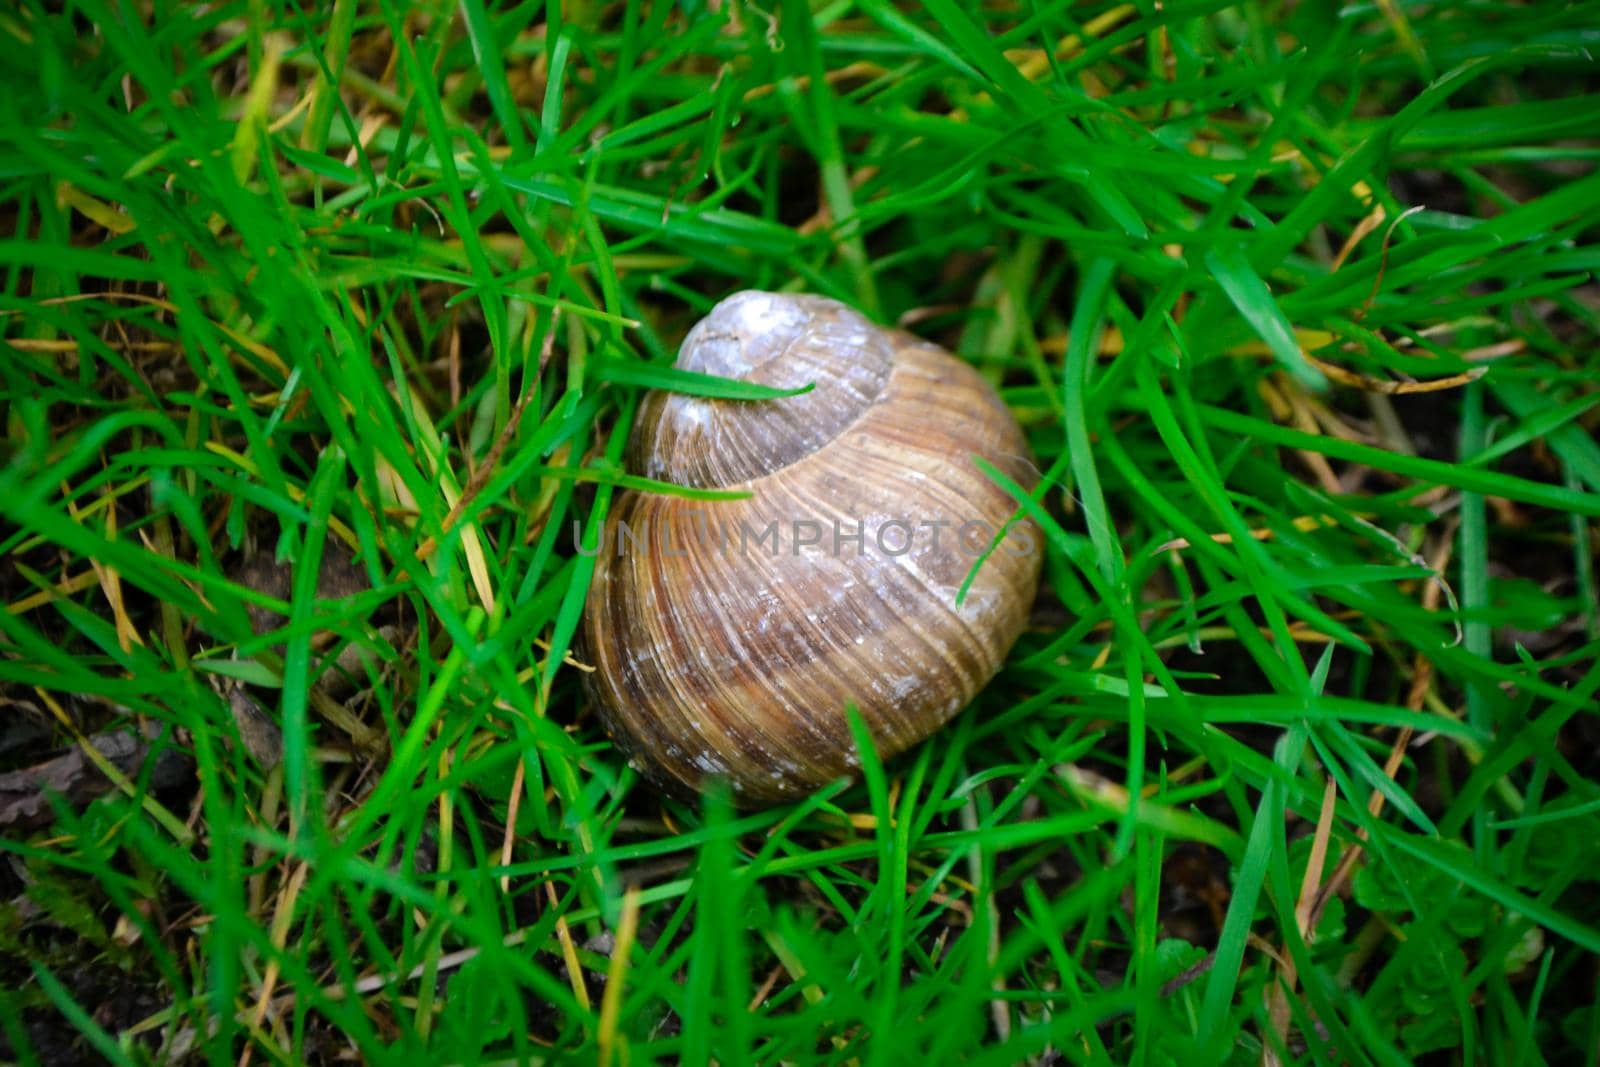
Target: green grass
(379,287)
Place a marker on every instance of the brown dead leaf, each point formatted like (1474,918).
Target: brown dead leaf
(338,577)
(25,794)
(260,734)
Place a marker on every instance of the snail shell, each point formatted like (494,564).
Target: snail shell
(729,636)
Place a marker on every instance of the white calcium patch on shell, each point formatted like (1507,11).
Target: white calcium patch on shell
(693,412)
(755,313)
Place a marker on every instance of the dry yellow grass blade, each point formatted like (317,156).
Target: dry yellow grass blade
(1394,388)
(859,69)
(1301,522)
(96,211)
(282,916)
(430,448)
(296,494)
(1033,63)
(616,978)
(110,579)
(77,583)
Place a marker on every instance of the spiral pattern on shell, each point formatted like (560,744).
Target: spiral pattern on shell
(729,636)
